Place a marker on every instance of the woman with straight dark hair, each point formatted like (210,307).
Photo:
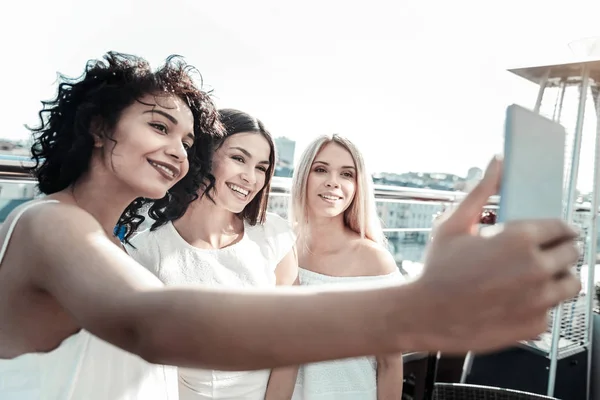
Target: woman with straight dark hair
(225,238)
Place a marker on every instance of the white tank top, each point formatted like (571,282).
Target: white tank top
(349,378)
(251,262)
(82,367)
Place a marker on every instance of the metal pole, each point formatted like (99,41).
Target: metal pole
(432,367)
(467,365)
(591,293)
(571,191)
(540,96)
(561,98)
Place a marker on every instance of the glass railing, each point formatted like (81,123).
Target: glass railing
(406,213)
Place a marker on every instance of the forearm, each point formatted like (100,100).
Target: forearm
(281,383)
(231,330)
(390,379)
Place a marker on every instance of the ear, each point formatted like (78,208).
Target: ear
(97,132)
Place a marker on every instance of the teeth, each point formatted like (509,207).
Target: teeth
(162,167)
(329,197)
(238,189)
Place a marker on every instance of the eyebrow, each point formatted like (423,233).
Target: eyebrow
(170,118)
(247,154)
(164,114)
(343,167)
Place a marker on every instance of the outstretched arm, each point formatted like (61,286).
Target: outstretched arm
(118,300)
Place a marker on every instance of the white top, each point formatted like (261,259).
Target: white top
(251,262)
(83,367)
(347,379)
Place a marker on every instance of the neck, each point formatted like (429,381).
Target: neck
(102,196)
(207,222)
(325,233)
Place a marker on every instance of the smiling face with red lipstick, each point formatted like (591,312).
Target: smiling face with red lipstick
(151,139)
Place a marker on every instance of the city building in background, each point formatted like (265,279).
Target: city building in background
(286,149)
(15,148)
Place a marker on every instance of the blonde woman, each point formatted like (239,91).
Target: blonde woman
(341,242)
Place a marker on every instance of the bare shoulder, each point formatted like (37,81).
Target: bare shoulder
(376,260)
(49,228)
(51,220)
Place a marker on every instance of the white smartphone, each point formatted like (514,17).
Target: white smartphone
(534,164)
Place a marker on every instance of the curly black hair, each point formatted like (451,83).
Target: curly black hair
(234,122)
(63,142)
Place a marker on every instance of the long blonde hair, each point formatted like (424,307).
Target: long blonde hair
(360,216)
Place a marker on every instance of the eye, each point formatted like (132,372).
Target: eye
(159,127)
(187,146)
(348,175)
(320,169)
(262,168)
(238,158)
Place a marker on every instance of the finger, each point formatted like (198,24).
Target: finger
(559,260)
(545,233)
(560,290)
(468,211)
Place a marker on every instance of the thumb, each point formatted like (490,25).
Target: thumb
(467,213)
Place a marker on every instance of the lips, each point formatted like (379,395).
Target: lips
(330,197)
(167,170)
(243,192)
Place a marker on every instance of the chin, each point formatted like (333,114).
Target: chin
(236,210)
(153,193)
(328,213)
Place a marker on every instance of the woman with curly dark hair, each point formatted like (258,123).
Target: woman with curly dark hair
(109,143)
(80,319)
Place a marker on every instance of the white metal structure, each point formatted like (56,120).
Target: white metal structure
(563,93)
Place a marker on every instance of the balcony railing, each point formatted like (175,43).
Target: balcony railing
(406,213)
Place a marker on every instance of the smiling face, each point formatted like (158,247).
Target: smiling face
(240,168)
(331,184)
(147,151)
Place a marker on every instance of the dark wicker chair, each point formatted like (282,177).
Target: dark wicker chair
(459,391)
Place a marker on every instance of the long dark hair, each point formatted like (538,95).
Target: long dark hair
(63,142)
(234,122)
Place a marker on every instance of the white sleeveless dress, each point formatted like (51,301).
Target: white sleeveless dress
(251,262)
(346,379)
(82,367)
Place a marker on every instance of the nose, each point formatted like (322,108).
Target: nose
(332,183)
(177,152)
(249,176)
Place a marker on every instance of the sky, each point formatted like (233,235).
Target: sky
(418,85)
